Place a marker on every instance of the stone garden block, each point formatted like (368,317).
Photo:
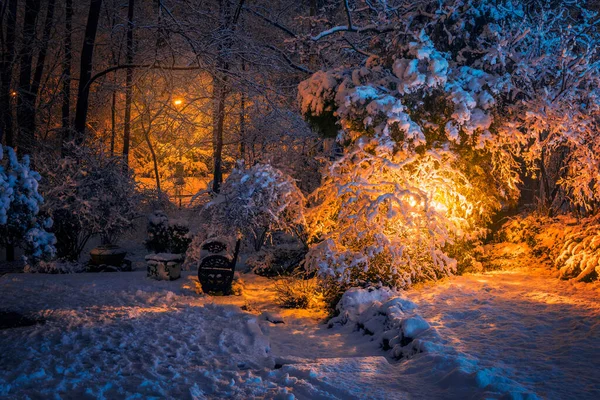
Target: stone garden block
(164,266)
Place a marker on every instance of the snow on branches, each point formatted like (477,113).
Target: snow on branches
(20,206)
(254,202)
(385,217)
(90,194)
(517,82)
(488,88)
(571,245)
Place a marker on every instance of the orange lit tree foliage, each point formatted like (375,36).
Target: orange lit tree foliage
(439,107)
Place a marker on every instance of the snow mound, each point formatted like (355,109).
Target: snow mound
(393,321)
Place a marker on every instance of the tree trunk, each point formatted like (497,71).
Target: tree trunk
(113,122)
(221,92)
(154,161)
(39,66)
(113,103)
(128,83)
(66,76)
(243,126)
(544,184)
(87,55)
(39,70)
(8,59)
(26,99)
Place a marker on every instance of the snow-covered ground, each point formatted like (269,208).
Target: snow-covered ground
(121,335)
(524,325)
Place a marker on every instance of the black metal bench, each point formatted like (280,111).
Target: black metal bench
(217,266)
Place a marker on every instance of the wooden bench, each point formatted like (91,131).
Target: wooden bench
(217,266)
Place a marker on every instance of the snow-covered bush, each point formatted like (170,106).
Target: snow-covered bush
(579,256)
(385,216)
(523,229)
(179,235)
(157,230)
(439,112)
(55,267)
(192,255)
(256,201)
(261,261)
(89,194)
(506,85)
(572,245)
(20,223)
(277,260)
(167,236)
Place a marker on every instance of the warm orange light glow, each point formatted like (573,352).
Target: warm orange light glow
(13,93)
(178,102)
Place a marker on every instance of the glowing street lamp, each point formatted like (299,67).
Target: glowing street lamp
(178,102)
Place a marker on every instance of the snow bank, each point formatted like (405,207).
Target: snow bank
(393,321)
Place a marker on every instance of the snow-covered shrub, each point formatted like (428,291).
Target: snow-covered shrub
(491,88)
(20,202)
(260,261)
(385,216)
(167,236)
(298,292)
(276,260)
(157,230)
(179,236)
(579,256)
(572,245)
(256,201)
(523,229)
(192,255)
(89,194)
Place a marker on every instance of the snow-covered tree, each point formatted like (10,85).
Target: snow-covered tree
(20,223)
(483,88)
(256,201)
(90,194)
(515,82)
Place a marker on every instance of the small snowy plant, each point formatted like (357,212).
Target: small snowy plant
(20,223)
(167,236)
(255,202)
(179,235)
(90,194)
(157,229)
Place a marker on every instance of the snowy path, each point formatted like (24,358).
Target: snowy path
(124,336)
(528,326)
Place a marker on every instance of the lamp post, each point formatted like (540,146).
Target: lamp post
(179,180)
